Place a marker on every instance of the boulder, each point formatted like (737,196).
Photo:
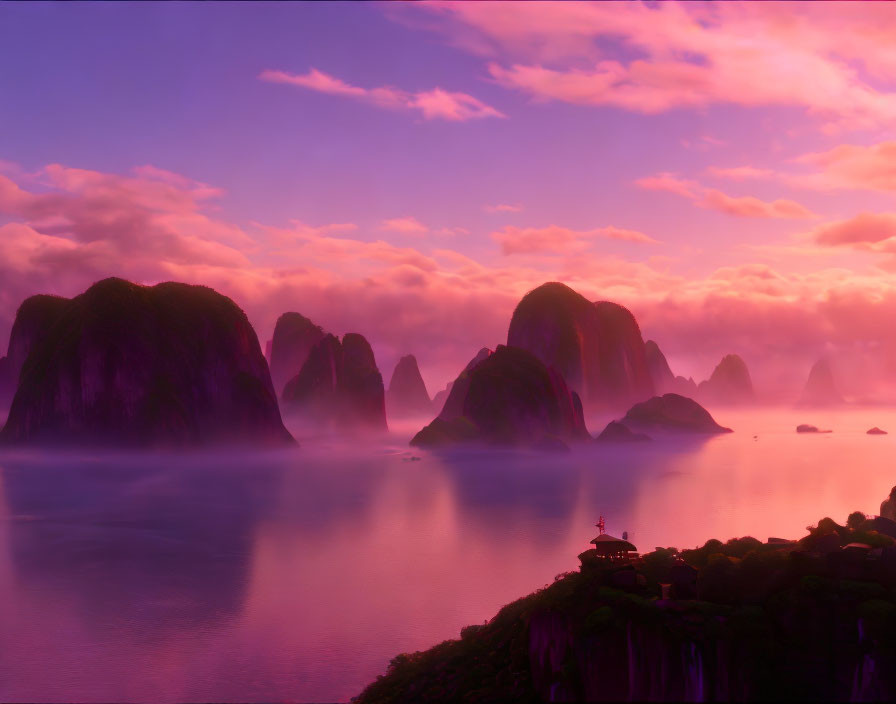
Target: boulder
(672,413)
(339,387)
(596,347)
(129,365)
(510,398)
(294,336)
(617,432)
(729,383)
(407,393)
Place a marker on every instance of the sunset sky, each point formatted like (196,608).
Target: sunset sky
(728,172)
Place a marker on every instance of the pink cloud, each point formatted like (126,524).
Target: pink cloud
(407,225)
(870,167)
(669,182)
(688,55)
(712,199)
(741,173)
(435,104)
(442,305)
(875,231)
(555,239)
(750,207)
(502,208)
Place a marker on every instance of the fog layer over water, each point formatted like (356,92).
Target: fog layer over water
(298,575)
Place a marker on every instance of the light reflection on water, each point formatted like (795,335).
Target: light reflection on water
(296,576)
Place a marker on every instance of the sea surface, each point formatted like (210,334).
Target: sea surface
(297,575)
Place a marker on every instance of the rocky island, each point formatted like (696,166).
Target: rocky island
(129,365)
(339,386)
(729,383)
(820,389)
(672,413)
(34,319)
(407,393)
(596,347)
(294,336)
(508,398)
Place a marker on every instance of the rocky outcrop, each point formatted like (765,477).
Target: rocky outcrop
(617,432)
(509,398)
(729,383)
(438,401)
(131,365)
(806,428)
(664,381)
(660,373)
(875,431)
(339,386)
(672,413)
(294,336)
(820,389)
(34,319)
(596,347)
(407,395)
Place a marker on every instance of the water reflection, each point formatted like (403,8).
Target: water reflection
(296,576)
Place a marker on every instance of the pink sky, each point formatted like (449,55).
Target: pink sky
(735,187)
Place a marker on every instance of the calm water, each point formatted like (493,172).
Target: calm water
(296,576)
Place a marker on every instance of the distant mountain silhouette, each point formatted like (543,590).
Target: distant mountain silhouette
(597,347)
(339,386)
(123,364)
(509,398)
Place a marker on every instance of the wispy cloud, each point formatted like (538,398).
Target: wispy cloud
(407,225)
(554,239)
(502,208)
(435,104)
(688,55)
(713,199)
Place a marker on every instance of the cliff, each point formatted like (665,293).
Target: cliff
(508,398)
(660,372)
(123,364)
(294,336)
(339,387)
(596,347)
(34,319)
(441,397)
(813,619)
(407,393)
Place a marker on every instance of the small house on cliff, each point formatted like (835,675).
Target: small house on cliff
(615,549)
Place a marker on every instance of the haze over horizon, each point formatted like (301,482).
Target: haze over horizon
(724,171)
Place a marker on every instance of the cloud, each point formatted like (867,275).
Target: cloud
(407,225)
(853,166)
(712,199)
(870,231)
(77,226)
(502,208)
(435,104)
(741,173)
(687,55)
(560,240)
(750,207)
